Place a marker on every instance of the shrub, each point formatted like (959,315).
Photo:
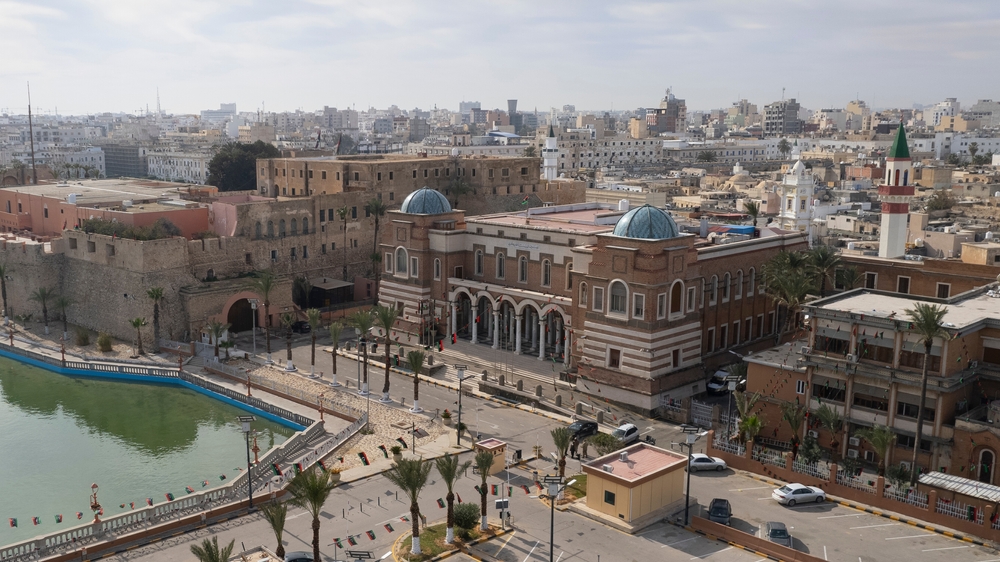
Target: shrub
(445,414)
(82,337)
(466,516)
(104,342)
(396,449)
(604,443)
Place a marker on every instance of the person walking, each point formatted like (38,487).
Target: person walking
(572,449)
(585,444)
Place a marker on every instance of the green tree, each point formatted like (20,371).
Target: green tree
(881,438)
(42,296)
(138,323)
(310,490)
(787,282)
(450,469)
(62,303)
(752,208)
(155,294)
(342,213)
(313,317)
(262,285)
(926,320)
(529,151)
(209,551)
(561,438)
(794,414)
(823,262)
(848,277)
(484,463)
(234,166)
(973,149)
(810,451)
(287,319)
(385,317)
(362,321)
(376,208)
(275,513)
(830,419)
(954,159)
(940,200)
(466,517)
(415,360)
(750,427)
(335,329)
(604,443)
(898,476)
(216,329)
(706,156)
(301,287)
(409,475)
(784,147)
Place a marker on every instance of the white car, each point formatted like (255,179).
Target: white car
(701,461)
(627,433)
(791,494)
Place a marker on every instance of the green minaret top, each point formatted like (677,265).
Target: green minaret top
(899,148)
(551,132)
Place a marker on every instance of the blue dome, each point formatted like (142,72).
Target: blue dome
(425,201)
(646,222)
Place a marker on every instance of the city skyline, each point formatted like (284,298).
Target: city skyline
(113,56)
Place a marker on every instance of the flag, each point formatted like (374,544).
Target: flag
(79,515)
(338,543)
(351,541)
(169,496)
(35,520)
(526,490)
(440,503)
(149,501)
(510,491)
(131,505)
(322,465)
(204,483)
(12,521)
(58,518)
(479,490)
(299,468)
(364,458)
(404,519)
(276,469)
(388,527)
(385,452)
(222,477)
(525,200)
(189,489)
(371,535)
(459,496)
(121,505)
(495,489)
(402,442)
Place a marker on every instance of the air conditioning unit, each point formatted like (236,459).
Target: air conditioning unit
(608,468)
(852,358)
(623,456)
(812,433)
(974,364)
(852,453)
(854,441)
(805,350)
(905,465)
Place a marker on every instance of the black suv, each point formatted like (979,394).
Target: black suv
(720,511)
(301,327)
(582,429)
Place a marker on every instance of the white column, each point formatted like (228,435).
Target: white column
(496,329)
(567,348)
(541,338)
(534,330)
(454,318)
(475,325)
(517,338)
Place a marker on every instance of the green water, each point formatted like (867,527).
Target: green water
(59,435)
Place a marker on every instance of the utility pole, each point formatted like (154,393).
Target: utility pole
(31,139)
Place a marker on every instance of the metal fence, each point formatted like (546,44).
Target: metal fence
(960,510)
(912,497)
(816,470)
(701,414)
(768,456)
(730,447)
(858,483)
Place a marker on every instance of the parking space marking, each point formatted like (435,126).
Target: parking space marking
(824,552)
(679,542)
(745,489)
(872,526)
(947,548)
(925,535)
(711,553)
(836,516)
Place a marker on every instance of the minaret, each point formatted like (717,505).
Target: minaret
(550,156)
(896,192)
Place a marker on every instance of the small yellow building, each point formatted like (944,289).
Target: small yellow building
(638,482)
(498,449)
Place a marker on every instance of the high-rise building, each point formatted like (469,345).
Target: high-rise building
(670,117)
(466,107)
(781,118)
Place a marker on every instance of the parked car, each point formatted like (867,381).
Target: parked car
(792,494)
(701,461)
(720,511)
(777,533)
(582,429)
(301,327)
(299,557)
(626,433)
(718,385)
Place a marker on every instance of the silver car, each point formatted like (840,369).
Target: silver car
(791,494)
(777,533)
(701,461)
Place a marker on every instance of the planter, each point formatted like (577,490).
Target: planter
(397,457)
(446,421)
(335,477)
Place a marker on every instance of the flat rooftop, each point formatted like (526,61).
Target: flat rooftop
(643,461)
(103,192)
(962,311)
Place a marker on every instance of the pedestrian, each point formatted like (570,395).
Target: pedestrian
(572,449)
(585,444)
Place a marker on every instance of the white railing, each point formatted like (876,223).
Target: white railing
(858,483)
(912,497)
(731,447)
(815,470)
(768,456)
(960,510)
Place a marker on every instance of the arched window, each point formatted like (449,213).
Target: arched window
(257,230)
(501,265)
(619,298)
(401,261)
(739,284)
(305,226)
(281,227)
(753,282)
(270,229)
(437,269)
(676,298)
(295,227)
(986,460)
(479,262)
(583,295)
(713,295)
(569,276)
(726,281)
(546,273)
(522,269)
(906,177)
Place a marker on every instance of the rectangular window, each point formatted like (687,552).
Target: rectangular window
(800,387)
(305,252)
(292,253)
(691,299)
(274,255)
(437,270)
(378,176)
(639,306)
(310,174)
(710,338)
(505,172)
(392,196)
(437,172)
(322,249)
(338,176)
(723,337)
(599,299)
(392,176)
(425,173)
(736,332)
(413,267)
(903,284)
(354,212)
(609,497)
(614,358)
(388,262)
(524,171)
(910,411)
(414,174)
(357,176)
(870,279)
(943,290)
(661,306)
(490,173)
(323,174)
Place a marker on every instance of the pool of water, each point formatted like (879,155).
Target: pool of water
(59,435)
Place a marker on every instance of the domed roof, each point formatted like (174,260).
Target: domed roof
(646,222)
(425,201)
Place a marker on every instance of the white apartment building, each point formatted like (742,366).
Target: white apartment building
(728,152)
(187,167)
(589,148)
(947,108)
(90,157)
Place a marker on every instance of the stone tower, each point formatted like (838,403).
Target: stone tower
(550,156)
(896,192)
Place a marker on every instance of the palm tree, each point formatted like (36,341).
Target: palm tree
(309,490)
(881,438)
(335,329)
(362,321)
(784,147)
(342,213)
(830,419)
(216,329)
(744,406)
(275,514)
(5,271)
(385,317)
(263,284)
(138,323)
(449,468)
(752,208)
(410,475)
(484,463)
(561,436)
(794,414)
(209,551)
(155,294)
(376,208)
(62,303)
(749,427)
(789,291)
(415,360)
(848,277)
(314,317)
(925,322)
(42,296)
(823,262)
(287,319)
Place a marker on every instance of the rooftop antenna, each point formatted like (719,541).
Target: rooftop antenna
(782,94)
(158,113)
(31,137)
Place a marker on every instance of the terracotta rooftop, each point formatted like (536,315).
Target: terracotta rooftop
(643,460)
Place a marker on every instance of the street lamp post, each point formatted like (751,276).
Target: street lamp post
(253,307)
(554,490)
(691,433)
(357,356)
(461,372)
(731,381)
(245,425)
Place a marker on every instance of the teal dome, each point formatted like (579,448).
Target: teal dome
(646,222)
(425,201)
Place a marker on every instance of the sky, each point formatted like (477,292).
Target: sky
(87,56)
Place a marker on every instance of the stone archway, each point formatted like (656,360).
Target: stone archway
(240,316)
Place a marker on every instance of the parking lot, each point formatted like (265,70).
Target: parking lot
(830,531)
